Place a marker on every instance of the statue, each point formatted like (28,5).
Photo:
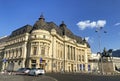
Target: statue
(106,53)
(105,62)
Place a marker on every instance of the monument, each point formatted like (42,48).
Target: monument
(105,62)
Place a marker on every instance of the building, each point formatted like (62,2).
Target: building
(116,58)
(116,62)
(2,45)
(93,61)
(46,45)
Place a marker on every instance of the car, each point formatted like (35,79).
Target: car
(36,71)
(23,70)
(41,71)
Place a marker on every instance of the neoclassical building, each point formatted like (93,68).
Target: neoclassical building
(45,45)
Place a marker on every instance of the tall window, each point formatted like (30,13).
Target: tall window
(71,53)
(61,51)
(83,58)
(6,54)
(79,57)
(34,50)
(16,52)
(33,63)
(74,53)
(89,67)
(13,53)
(44,36)
(68,52)
(43,50)
(84,67)
(20,52)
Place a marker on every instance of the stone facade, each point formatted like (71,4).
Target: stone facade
(46,45)
(116,62)
(93,61)
(2,45)
(107,65)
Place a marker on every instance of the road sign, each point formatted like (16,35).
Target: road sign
(4,60)
(40,60)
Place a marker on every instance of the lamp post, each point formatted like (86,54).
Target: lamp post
(99,30)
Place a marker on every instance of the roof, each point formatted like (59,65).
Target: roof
(48,26)
(3,39)
(21,30)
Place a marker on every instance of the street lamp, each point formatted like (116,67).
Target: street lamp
(99,30)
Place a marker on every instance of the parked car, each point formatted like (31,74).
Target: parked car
(36,71)
(41,71)
(23,70)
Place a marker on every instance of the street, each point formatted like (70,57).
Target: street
(61,77)
(25,78)
(84,77)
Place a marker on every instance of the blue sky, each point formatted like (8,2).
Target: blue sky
(17,13)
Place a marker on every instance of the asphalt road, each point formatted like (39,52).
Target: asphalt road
(25,78)
(61,77)
(84,77)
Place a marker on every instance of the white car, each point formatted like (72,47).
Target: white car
(36,71)
(23,70)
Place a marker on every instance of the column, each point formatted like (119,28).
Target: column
(24,54)
(86,60)
(23,63)
(29,63)
(24,49)
(53,52)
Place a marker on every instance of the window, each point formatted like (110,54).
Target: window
(16,53)
(68,52)
(74,53)
(84,67)
(42,50)
(81,67)
(89,67)
(33,61)
(13,53)
(6,55)
(83,58)
(44,36)
(20,52)
(34,50)
(79,57)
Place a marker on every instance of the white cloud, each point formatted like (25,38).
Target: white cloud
(100,23)
(89,39)
(83,24)
(94,24)
(117,24)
